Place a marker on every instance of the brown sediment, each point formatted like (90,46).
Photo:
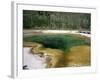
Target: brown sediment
(31,44)
(79,56)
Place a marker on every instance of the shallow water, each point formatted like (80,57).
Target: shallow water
(79,56)
(32,61)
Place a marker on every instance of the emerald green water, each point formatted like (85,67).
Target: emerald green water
(58,41)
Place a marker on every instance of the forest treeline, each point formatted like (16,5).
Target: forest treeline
(56,20)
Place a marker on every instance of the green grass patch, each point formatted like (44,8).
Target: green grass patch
(63,42)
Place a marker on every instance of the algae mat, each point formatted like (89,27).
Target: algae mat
(79,56)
